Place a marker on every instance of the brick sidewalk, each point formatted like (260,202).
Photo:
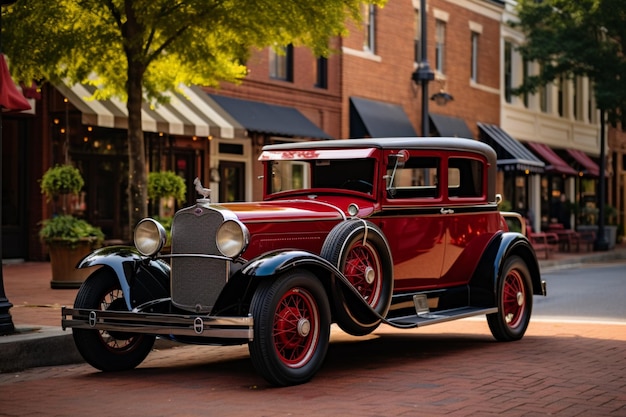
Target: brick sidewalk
(27,286)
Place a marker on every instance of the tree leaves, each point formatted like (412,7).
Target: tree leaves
(577,38)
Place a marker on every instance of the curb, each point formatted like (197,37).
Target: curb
(32,347)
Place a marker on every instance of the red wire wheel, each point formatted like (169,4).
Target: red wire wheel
(291,333)
(363,270)
(514,301)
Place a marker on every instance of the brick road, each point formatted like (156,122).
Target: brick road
(453,369)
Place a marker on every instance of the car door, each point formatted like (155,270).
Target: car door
(412,220)
(471,220)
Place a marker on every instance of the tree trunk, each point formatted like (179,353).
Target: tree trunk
(137,170)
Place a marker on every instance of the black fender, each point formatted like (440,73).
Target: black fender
(484,282)
(142,279)
(277,262)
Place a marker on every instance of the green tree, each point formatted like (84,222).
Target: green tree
(580,38)
(142,49)
(577,38)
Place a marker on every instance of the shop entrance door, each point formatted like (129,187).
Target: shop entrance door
(104,202)
(232,181)
(14,180)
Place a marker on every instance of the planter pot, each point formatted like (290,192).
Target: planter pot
(63,260)
(610,232)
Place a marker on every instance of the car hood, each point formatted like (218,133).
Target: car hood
(285,210)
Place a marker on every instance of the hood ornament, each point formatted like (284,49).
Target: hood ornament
(204,192)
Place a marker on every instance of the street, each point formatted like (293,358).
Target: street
(591,292)
(561,367)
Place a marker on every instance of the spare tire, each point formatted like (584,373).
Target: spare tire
(359,249)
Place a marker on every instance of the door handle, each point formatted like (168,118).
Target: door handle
(446,211)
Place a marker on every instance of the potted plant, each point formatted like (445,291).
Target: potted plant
(589,222)
(61,181)
(165,187)
(68,238)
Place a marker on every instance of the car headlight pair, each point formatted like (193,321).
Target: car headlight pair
(232,238)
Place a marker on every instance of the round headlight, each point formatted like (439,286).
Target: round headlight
(232,238)
(149,237)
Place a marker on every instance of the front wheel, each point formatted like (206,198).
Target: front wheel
(515,302)
(108,351)
(291,328)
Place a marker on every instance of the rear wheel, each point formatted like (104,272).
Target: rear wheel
(108,351)
(291,328)
(515,302)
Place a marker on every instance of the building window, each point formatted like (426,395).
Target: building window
(591,105)
(417,41)
(578,97)
(321,72)
(525,75)
(508,72)
(474,59)
(281,63)
(440,41)
(369,23)
(543,99)
(561,96)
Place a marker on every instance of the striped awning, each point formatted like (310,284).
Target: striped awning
(193,113)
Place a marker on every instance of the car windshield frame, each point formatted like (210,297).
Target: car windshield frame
(297,172)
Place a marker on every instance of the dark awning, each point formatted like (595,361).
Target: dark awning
(587,164)
(271,119)
(512,155)
(376,119)
(449,126)
(554,163)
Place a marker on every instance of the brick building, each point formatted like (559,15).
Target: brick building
(366,88)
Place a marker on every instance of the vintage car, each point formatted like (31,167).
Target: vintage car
(400,231)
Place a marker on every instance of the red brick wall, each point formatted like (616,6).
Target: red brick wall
(321,106)
(390,79)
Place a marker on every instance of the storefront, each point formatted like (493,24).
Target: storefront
(519,172)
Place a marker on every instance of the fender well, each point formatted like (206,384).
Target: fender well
(141,279)
(484,280)
(277,262)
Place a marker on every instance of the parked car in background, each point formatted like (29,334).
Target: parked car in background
(401,231)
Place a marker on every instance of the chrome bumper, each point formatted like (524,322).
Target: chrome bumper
(159,324)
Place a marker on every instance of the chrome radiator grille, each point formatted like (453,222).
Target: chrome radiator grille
(196,282)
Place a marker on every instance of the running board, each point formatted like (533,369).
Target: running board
(426,318)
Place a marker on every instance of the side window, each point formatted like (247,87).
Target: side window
(418,178)
(465,178)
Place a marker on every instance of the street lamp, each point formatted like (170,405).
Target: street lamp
(601,243)
(423,74)
(6,322)
(442,97)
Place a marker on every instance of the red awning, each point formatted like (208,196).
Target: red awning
(11,99)
(554,163)
(587,163)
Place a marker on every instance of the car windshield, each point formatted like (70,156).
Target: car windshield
(345,174)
